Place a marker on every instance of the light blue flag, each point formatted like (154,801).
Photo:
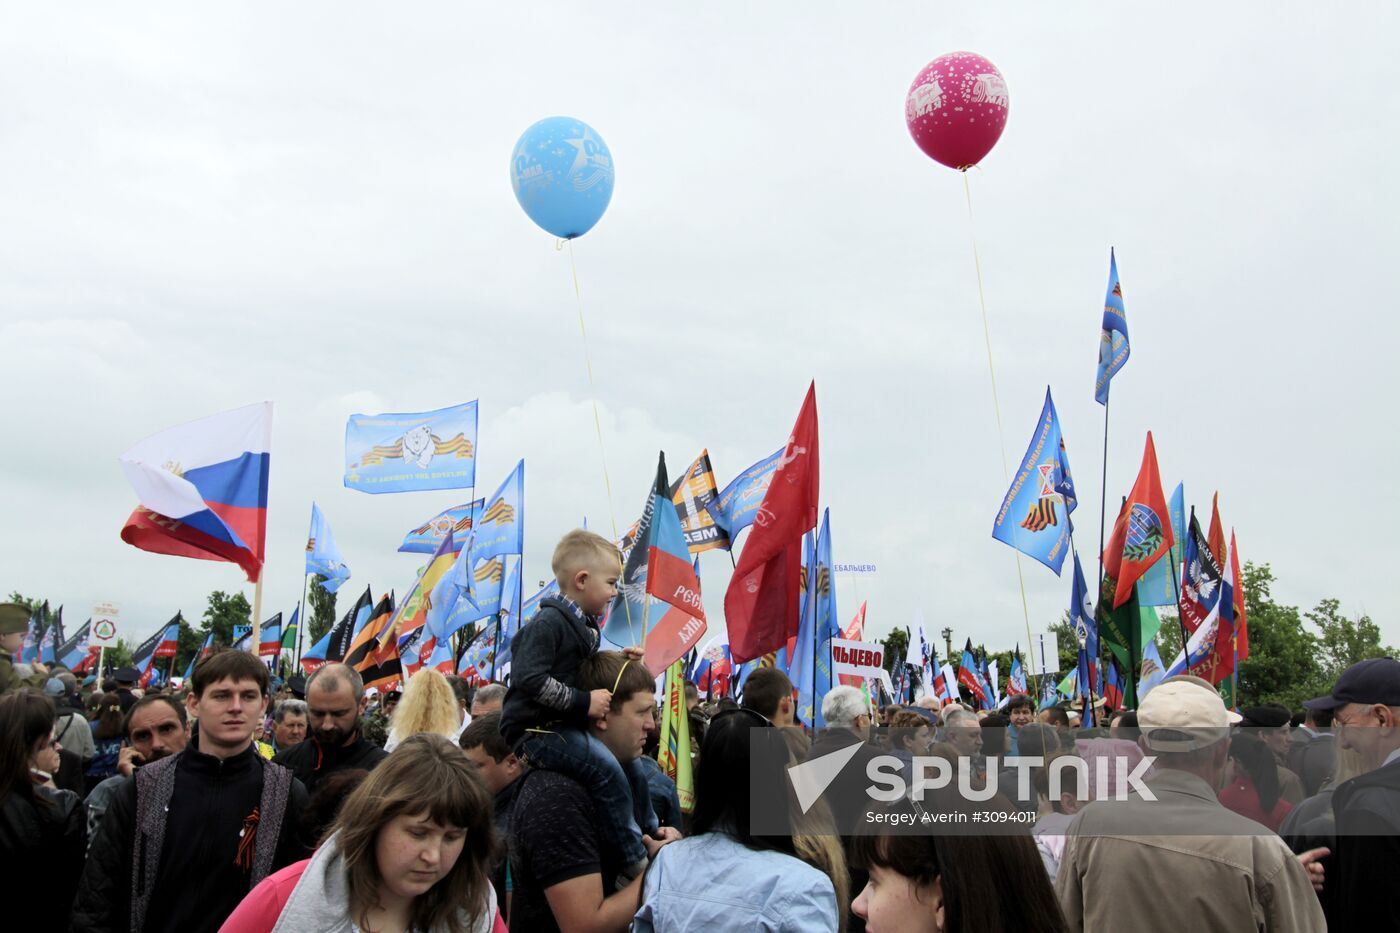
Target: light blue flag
(826,622)
(443,599)
(322,555)
(483,600)
(411,451)
(1034,516)
(802,669)
(499,530)
(427,537)
(532,605)
(735,507)
(1113,341)
(509,613)
(1153,670)
(1157,587)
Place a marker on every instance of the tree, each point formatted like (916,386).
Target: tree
(223,613)
(1068,644)
(191,640)
(1343,641)
(1282,666)
(896,645)
(119,655)
(322,615)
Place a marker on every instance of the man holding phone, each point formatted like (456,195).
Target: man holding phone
(156,728)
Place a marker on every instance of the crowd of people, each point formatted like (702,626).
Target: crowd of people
(243,803)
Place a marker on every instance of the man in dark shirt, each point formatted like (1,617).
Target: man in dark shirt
(187,837)
(335,697)
(501,772)
(563,872)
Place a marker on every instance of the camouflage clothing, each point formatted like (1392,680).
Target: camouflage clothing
(10,679)
(374,727)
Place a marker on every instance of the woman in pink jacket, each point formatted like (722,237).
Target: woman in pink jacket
(410,851)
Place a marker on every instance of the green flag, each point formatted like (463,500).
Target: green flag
(1121,630)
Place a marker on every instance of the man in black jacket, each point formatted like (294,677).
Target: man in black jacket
(1359,890)
(188,836)
(335,697)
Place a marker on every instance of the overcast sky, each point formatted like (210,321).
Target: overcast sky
(310,203)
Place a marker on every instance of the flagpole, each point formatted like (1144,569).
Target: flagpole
(257,615)
(301,614)
(1103,494)
(1181,620)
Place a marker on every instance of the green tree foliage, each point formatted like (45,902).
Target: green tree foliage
(118,655)
(223,613)
(1068,643)
(1282,666)
(1344,641)
(190,641)
(33,604)
(322,610)
(896,645)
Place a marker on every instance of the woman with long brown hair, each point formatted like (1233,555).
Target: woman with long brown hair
(42,831)
(409,851)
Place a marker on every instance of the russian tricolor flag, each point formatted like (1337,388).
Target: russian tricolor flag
(203,488)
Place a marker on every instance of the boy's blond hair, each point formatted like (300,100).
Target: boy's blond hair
(583,550)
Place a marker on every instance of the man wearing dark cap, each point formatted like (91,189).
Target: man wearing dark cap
(14,622)
(1360,892)
(1271,725)
(126,678)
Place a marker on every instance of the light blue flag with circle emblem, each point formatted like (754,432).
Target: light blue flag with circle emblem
(412,451)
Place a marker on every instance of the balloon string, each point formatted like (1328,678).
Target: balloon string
(996,402)
(597,422)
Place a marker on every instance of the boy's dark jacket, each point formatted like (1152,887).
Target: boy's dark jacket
(544,660)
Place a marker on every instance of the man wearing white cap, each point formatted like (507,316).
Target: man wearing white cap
(1181,861)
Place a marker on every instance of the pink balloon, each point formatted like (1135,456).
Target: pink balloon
(956,109)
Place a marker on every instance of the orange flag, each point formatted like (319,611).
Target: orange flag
(1143,532)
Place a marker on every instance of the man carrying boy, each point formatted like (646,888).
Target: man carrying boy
(546,718)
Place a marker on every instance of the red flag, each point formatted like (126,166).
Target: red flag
(854,632)
(1241,619)
(761,604)
(1143,531)
(1216,536)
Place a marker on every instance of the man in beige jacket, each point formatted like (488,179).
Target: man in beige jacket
(1181,861)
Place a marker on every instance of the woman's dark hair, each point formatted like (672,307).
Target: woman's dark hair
(109,718)
(722,803)
(26,719)
(975,872)
(326,800)
(741,747)
(1258,762)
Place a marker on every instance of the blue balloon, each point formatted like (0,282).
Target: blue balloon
(562,173)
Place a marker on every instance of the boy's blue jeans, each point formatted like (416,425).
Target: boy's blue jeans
(620,790)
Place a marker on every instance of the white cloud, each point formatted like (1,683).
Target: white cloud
(311,204)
